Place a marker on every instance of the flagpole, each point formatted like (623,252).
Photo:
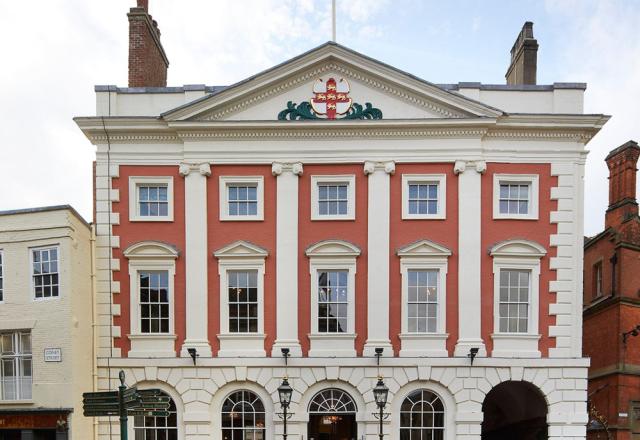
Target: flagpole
(333,20)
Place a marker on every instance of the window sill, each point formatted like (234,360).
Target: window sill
(514,217)
(332,345)
(424,217)
(151,219)
(515,345)
(241,345)
(424,345)
(17,402)
(320,218)
(241,219)
(152,345)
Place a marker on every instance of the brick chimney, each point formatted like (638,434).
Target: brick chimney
(524,58)
(147,61)
(622,184)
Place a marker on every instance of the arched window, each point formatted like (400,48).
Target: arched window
(332,400)
(422,416)
(156,428)
(243,417)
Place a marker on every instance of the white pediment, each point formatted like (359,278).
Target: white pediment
(241,249)
(150,250)
(518,248)
(398,95)
(424,248)
(333,248)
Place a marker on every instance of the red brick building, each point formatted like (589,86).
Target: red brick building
(612,304)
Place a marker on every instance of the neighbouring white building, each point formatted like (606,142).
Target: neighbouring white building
(46,334)
(334,206)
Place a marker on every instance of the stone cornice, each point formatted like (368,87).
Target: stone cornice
(572,128)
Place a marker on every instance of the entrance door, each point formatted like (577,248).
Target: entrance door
(332,416)
(332,427)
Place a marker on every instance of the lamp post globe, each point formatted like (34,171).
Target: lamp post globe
(380,393)
(285,391)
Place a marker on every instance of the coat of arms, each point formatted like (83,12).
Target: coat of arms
(330,101)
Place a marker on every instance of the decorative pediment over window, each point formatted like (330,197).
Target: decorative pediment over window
(518,248)
(424,248)
(241,249)
(150,250)
(333,248)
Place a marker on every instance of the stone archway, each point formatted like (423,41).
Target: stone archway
(514,409)
(332,416)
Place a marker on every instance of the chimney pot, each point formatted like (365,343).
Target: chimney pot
(144,4)
(524,58)
(622,184)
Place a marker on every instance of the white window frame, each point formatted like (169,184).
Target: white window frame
(32,283)
(349,180)
(145,257)
(424,254)
(534,199)
(225,182)
(134,206)
(15,335)
(425,179)
(242,256)
(333,255)
(517,255)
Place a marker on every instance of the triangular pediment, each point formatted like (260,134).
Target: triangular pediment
(424,248)
(241,249)
(397,94)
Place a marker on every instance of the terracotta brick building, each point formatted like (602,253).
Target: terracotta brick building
(612,305)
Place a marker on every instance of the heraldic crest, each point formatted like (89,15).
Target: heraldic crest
(330,101)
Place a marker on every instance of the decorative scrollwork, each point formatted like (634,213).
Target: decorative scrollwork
(369,112)
(297,112)
(304,111)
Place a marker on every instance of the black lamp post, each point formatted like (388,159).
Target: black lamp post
(380,394)
(285,391)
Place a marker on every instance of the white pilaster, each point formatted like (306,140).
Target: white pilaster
(378,257)
(195,216)
(469,254)
(287,258)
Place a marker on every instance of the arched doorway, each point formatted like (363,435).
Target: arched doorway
(332,416)
(514,410)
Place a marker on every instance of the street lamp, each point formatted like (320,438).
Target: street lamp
(285,391)
(380,394)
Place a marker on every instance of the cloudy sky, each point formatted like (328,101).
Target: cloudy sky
(55,51)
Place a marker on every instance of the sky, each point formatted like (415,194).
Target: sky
(55,51)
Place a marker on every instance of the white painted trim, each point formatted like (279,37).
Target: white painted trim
(534,198)
(31,274)
(225,182)
(447,398)
(150,344)
(318,348)
(134,183)
(350,180)
(517,344)
(238,344)
(440,180)
(224,391)
(332,248)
